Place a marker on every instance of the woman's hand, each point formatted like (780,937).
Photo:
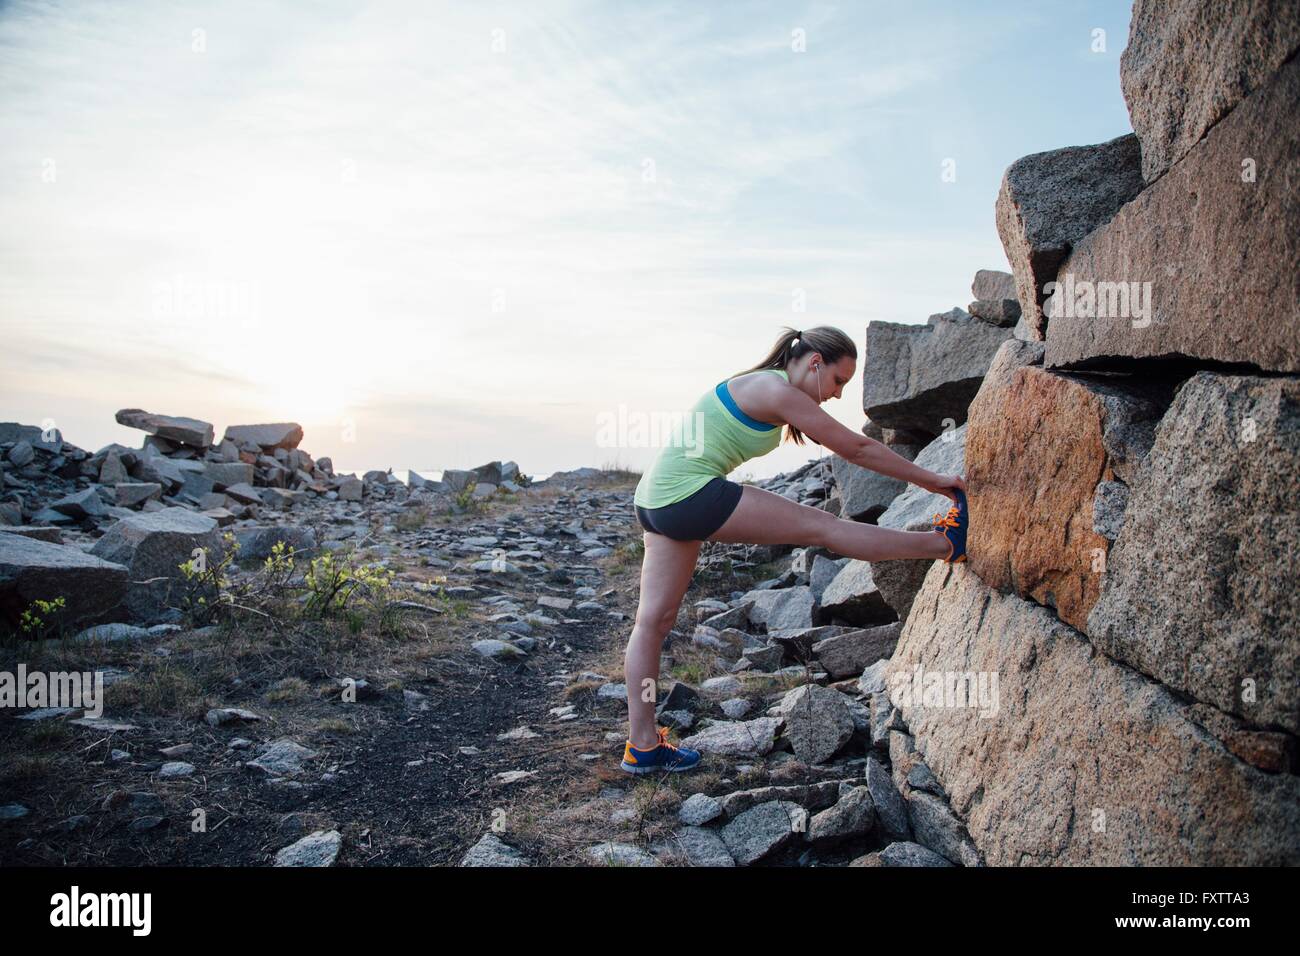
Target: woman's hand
(944,484)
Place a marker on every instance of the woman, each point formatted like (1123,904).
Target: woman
(686,499)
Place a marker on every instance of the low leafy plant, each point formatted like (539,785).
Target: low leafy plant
(206,595)
(335,583)
(43,619)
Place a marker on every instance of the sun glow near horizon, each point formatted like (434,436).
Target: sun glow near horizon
(466,232)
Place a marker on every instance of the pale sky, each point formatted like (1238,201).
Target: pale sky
(441,234)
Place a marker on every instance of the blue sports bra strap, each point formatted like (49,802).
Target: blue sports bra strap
(724,394)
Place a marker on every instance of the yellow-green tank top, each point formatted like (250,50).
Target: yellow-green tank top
(713,439)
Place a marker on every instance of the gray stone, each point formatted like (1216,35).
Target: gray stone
(731,617)
(824,571)
(1203,247)
(724,686)
(872,680)
(853,815)
(32,570)
(812,797)
(220,716)
(1200,587)
(766,658)
(491,851)
(891,809)
(847,655)
(285,435)
(735,738)
(1075,732)
(921,777)
(320,848)
(735,707)
(913,509)
(351,489)
(781,610)
(154,546)
(154,468)
(938,828)
(458,480)
(111,633)
(223,474)
(763,830)
(1188,63)
(817,722)
(244,493)
(81,504)
(113,471)
(133,493)
(619,854)
(138,803)
(34,436)
(854,598)
(923,377)
(910,854)
(703,847)
(282,758)
(36,532)
(992,285)
(186,431)
(21,455)
(1049,201)
(1108,505)
(13,811)
(999,312)
(257,541)
(864,494)
(497,650)
(698,809)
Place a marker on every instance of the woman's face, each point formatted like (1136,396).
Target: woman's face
(831,378)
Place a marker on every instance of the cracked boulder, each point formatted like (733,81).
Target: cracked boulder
(1049,201)
(852,597)
(153,546)
(172,428)
(1201,265)
(817,722)
(1188,63)
(1201,589)
(1040,445)
(1085,761)
(920,379)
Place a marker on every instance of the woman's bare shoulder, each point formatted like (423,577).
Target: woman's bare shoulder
(760,394)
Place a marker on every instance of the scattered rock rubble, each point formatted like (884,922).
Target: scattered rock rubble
(108,530)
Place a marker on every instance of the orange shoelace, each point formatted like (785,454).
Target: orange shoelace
(950,521)
(663,739)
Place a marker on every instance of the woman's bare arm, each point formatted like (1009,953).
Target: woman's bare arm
(797,409)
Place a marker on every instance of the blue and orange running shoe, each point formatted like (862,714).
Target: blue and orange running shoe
(662,756)
(953,526)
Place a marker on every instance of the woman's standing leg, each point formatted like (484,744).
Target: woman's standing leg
(666,573)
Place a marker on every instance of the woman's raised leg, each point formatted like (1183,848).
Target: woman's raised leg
(763,517)
(666,573)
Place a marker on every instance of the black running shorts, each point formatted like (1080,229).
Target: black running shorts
(696,517)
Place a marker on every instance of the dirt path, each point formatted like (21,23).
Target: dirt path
(406,780)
